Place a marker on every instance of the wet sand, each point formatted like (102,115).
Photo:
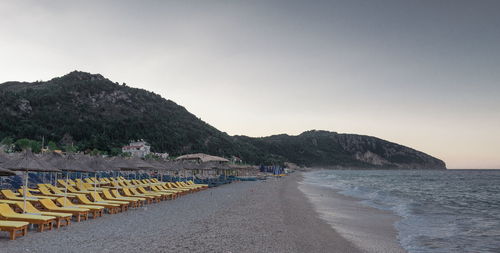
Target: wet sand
(370,229)
(262,216)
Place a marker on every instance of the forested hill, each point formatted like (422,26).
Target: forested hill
(95,113)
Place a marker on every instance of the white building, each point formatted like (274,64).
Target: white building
(138,148)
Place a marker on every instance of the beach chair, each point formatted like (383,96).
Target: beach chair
(72,189)
(179,187)
(59,191)
(173,194)
(45,191)
(185,185)
(15,228)
(112,208)
(167,188)
(79,213)
(91,181)
(63,183)
(29,194)
(128,193)
(98,199)
(96,211)
(134,202)
(158,197)
(190,182)
(117,194)
(42,221)
(164,195)
(171,187)
(60,217)
(10,195)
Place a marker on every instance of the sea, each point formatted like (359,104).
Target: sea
(440,211)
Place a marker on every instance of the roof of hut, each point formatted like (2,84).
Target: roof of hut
(202,157)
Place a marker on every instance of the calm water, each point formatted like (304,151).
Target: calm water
(442,211)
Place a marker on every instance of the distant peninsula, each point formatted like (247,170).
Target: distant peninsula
(98,114)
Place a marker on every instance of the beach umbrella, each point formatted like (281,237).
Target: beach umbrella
(26,162)
(141,164)
(53,159)
(122,164)
(71,163)
(97,164)
(156,165)
(6,172)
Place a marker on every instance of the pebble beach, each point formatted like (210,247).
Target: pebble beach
(260,216)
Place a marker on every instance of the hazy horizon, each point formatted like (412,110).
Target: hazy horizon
(424,74)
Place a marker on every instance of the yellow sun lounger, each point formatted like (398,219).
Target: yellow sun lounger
(129,193)
(112,208)
(117,194)
(14,227)
(134,202)
(77,212)
(42,221)
(29,194)
(98,199)
(163,195)
(58,191)
(97,211)
(10,195)
(156,188)
(158,197)
(30,209)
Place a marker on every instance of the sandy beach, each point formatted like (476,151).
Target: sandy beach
(262,216)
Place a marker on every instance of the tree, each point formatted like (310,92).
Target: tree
(115,151)
(70,149)
(126,154)
(52,146)
(23,144)
(7,141)
(36,146)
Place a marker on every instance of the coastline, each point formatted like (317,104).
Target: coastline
(260,216)
(370,229)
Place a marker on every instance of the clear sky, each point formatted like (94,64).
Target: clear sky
(422,73)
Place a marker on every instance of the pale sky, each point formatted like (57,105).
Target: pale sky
(422,73)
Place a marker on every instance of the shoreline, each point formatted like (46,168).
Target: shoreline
(369,228)
(259,216)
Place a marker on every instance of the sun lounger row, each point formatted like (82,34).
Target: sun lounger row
(49,205)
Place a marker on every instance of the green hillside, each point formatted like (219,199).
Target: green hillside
(93,112)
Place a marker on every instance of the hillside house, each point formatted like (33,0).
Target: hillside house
(138,148)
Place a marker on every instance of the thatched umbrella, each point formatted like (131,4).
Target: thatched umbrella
(71,163)
(6,172)
(3,157)
(122,164)
(141,164)
(53,159)
(97,164)
(27,162)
